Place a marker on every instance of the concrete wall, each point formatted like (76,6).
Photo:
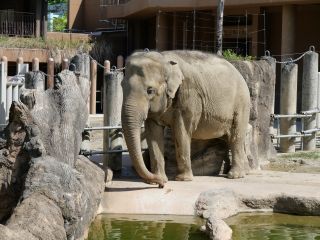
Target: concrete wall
(68,36)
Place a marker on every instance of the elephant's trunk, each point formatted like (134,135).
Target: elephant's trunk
(131,124)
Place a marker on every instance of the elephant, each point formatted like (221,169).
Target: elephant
(198,95)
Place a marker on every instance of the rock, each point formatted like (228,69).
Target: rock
(208,157)
(217,229)
(9,234)
(47,220)
(55,192)
(220,203)
(260,77)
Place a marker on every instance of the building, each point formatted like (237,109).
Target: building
(280,26)
(26,18)
(286,28)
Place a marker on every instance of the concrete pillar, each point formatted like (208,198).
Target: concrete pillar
(35,80)
(35,64)
(309,95)
(93,88)
(50,72)
(318,115)
(3,94)
(288,29)
(288,105)
(8,99)
(112,117)
(38,18)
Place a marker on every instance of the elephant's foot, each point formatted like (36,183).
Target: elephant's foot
(184,177)
(236,172)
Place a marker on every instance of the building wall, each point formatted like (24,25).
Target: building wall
(76,14)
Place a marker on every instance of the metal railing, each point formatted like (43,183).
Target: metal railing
(14,23)
(105,3)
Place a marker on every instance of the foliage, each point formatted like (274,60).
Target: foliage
(51,2)
(231,55)
(18,42)
(60,23)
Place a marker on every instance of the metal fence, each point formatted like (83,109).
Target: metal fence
(14,23)
(105,3)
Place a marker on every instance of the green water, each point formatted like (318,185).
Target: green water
(264,226)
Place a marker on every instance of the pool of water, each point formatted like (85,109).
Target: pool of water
(263,226)
(273,226)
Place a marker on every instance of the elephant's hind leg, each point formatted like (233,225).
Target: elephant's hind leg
(237,144)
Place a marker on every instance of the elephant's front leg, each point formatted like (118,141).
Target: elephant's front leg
(182,140)
(155,140)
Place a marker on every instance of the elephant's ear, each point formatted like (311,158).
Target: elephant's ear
(174,78)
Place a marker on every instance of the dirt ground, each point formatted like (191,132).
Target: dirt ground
(298,162)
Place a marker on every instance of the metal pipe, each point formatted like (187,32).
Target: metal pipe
(292,135)
(93,152)
(291,116)
(311,111)
(104,128)
(311,131)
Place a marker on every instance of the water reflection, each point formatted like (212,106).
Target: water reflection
(263,226)
(270,226)
(123,227)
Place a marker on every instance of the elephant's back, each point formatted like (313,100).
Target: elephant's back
(219,85)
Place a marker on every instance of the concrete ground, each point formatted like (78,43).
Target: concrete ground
(129,195)
(135,197)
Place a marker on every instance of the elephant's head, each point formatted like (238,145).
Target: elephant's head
(151,82)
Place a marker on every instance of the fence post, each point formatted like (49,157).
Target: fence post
(112,117)
(65,64)
(288,105)
(4,59)
(50,72)
(318,114)
(93,80)
(3,93)
(35,64)
(309,96)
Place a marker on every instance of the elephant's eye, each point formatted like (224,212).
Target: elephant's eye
(151,91)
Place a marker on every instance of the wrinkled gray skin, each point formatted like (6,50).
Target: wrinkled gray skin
(197,95)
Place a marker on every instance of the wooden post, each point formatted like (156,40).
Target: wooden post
(288,105)
(112,117)
(120,61)
(35,64)
(50,72)
(309,96)
(219,31)
(65,64)
(93,80)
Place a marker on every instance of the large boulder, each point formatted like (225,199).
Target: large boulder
(47,190)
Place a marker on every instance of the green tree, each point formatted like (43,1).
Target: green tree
(50,2)
(59,23)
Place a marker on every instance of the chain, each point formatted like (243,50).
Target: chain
(113,69)
(293,60)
